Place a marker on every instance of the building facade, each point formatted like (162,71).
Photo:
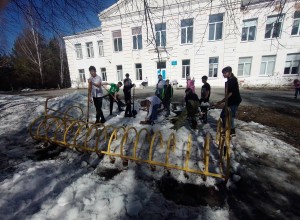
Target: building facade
(260,40)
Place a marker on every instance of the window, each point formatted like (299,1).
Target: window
(187,31)
(137,38)
(292,64)
(90,50)
(117,41)
(267,65)
(296,24)
(82,75)
(161,35)
(78,51)
(100,47)
(138,70)
(215,27)
(244,68)
(249,30)
(103,73)
(185,68)
(213,67)
(273,26)
(120,73)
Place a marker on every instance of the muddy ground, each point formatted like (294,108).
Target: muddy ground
(285,120)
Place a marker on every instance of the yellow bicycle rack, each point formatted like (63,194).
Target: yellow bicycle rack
(61,128)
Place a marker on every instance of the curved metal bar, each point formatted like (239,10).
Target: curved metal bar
(188,153)
(73,107)
(124,139)
(206,152)
(114,136)
(137,140)
(171,143)
(152,143)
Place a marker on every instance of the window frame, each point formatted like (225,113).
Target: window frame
(184,29)
(138,71)
(136,38)
(248,27)
(185,68)
(214,66)
(162,33)
(90,49)
(78,49)
(215,24)
(117,41)
(297,55)
(103,73)
(100,48)
(279,18)
(120,77)
(267,65)
(296,14)
(82,77)
(244,63)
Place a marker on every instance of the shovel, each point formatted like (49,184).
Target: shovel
(134,112)
(119,102)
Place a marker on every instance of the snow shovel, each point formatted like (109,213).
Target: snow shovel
(134,112)
(119,102)
(88,104)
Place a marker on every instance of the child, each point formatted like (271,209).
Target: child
(114,96)
(127,95)
(159,86)
(205,94)
(167,94)
(192,104)
(233,96)
(96,94)
(297,87)
(190,83)
(152,104)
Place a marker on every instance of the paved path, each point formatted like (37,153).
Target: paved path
(251,97)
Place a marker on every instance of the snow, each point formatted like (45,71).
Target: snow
(73,185)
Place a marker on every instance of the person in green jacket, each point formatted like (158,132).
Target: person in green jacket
(167,94)
(114,96)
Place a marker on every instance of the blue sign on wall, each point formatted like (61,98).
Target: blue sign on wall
(174,62)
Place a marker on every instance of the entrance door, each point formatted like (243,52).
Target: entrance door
(161,69)
(120,73)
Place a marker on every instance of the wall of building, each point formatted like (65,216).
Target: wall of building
(229,49)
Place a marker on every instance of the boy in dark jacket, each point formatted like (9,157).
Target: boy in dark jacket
(232,96)
(167,94)
(192,104)
(204,101)
(127,95)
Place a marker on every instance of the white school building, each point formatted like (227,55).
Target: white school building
(260,40)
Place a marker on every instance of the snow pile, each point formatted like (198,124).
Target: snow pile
(41,182)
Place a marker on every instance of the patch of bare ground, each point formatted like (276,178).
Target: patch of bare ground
(285,120)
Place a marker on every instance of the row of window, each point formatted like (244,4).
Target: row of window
(89,50)
(249,29)
(292,66)
(267,65)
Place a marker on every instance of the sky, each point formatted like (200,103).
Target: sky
(63,20)
(47,182)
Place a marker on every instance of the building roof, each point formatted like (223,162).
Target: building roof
(85,32)
(89,30)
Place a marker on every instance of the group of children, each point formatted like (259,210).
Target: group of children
(163,95)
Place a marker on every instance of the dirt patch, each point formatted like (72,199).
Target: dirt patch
(285,120)
(191,194)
